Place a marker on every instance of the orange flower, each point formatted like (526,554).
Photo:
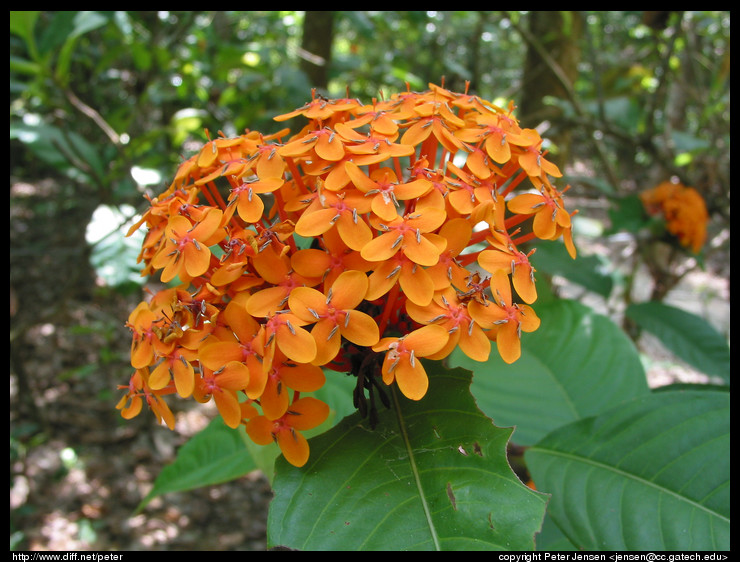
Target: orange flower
(435,119)
(131,403)
(402,363)
(318,109)
(328,263)
(334,314)
(448,271)
(364,229)
(531,159)
(276,270)
(283,332)
(496,133)
(302,415)
(175,366)
(684,210)
(243,341)
(411,234)
(547,209)
(186,252)
(222,385)
(450,312)
(384,189)
(416,282)
(504,256)
(249,205)
(285,376)
(376,142)
(329,209)
(505,318)
(142,321)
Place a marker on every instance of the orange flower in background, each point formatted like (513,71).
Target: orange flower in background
(390,230)
(683,209)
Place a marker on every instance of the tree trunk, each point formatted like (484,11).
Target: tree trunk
(559,33)
(318,32)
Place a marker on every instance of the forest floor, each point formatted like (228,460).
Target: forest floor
(78,471)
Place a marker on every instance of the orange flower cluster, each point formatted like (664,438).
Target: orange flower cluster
(389,230)
(683,209)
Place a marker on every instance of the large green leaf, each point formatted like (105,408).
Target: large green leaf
(588,271)
(215,455)
(577,364)
(686,335)
(432,475)
(22,23)
(653,474)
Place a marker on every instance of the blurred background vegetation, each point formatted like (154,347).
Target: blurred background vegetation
(104,105)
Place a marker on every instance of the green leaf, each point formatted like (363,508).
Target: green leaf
(432,475)
(590,272)
(114,255)
(67,151)
(577,364)
(84,22)
(688,336)
(215,455)
(627,214)
(653,474)
(22,23)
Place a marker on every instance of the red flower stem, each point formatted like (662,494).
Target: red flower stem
(279,203)
(207,194)
(478,237)
(397,169)
(429,147)
(467,259)
(513,183)
(217,195)
(525,238)
(295,173)
(515,220)
(390,305)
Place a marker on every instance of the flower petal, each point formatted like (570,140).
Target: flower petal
(315,223)
(349,290)
(228,406)
(302,377)
(234,376)
(354,234)
(305,301)
(328,340)
(197,259)
(259,430)
(424,249)
(383,247)
(508,343)
(307,413)
(361,329)
(426,340)
(475,344)
(412,380)
(296,343)
(418,286)
(293,446)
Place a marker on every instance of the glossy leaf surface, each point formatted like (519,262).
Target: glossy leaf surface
(432,475)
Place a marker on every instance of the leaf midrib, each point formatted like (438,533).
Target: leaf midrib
(415,469)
